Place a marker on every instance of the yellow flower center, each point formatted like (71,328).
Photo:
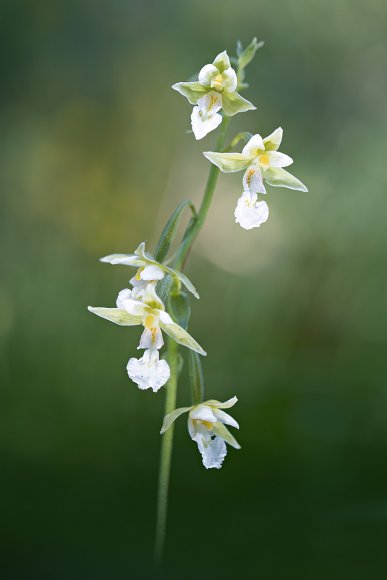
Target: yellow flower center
(217,82)
(264,160)
(208,425)
(150,323)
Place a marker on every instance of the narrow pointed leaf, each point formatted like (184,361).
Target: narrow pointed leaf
(179,308)
(195,373)
(170,230)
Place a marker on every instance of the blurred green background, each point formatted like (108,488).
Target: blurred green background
(94,156)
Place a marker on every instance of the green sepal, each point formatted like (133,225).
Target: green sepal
(233,103)
(195,373)
(191,91)
(171,417)
(116,315)
(179,308)
(170,230)
(221,431)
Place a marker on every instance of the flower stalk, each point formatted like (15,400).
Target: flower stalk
(166,456)
(196,224)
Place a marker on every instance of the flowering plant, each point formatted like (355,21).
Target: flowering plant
(159,297)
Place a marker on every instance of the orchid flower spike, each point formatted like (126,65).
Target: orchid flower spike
(150,313)
(149,271)
(206,426)
(214,90)
(261,161)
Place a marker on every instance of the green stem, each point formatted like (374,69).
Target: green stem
(166,455)
(170,403)
(196,225)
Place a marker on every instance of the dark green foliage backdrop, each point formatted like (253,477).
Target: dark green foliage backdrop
(93,158)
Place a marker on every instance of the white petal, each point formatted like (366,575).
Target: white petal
(273,141)
(206,74)
(250,213)
(230,81)
(151,298)
(201,127)
(152,339)
(152,273)
(203,413)
(213,450)
(253,147)
(275,159)
(225,418)
(149,372)
(252,180)
(123,295)
(134,307)
(164,317)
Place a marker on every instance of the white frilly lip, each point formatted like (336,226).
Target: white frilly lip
(250,213)
(149,372)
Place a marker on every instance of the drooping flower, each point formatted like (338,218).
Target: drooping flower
(207,426)
(149,270)
(215,89)
(250,213)
(150,313)
(262,162)
(148,371)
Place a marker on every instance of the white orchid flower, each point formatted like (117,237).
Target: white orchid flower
(206,426)
(150,313)
(148,371)
(149,270)
(250,213)
(261,161)
(215,89)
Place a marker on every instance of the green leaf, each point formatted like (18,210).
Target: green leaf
(192,91)
(195,373)
(179,308)
(116,315)
(170,230)
(245,57)
(233,103)
(164,287)
(171,417)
